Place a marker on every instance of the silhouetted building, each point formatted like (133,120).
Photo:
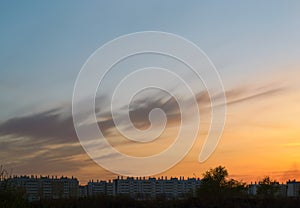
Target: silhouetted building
(83,191)
(252,189)
(279,189)
(142,188)
(35,188)
(293,188)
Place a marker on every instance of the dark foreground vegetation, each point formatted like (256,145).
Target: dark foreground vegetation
(126,202)
(216,190)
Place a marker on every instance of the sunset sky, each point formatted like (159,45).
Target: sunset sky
(255,46)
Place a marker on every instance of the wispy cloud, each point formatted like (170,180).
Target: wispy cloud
(238,96)
(49,125)
(292,144)
(49,137)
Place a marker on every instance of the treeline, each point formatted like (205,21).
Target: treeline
(192,202)
(215,184)
(216,190)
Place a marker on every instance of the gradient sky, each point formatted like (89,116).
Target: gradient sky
(255,46)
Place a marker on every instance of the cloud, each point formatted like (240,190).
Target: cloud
(50,125)
(286,175)
(28,155)
(140,110)
(238,96)
(43,142)
(49,137)
(56,126)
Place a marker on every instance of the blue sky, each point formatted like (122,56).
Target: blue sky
(43,44)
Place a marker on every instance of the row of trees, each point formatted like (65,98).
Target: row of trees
(216,190)
(216,184)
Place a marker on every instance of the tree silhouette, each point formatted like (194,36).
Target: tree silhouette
(215,184)
(9,197)
(214,180)
(267,187)
(3,173)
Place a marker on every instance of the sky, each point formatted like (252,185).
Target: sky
(254,45)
